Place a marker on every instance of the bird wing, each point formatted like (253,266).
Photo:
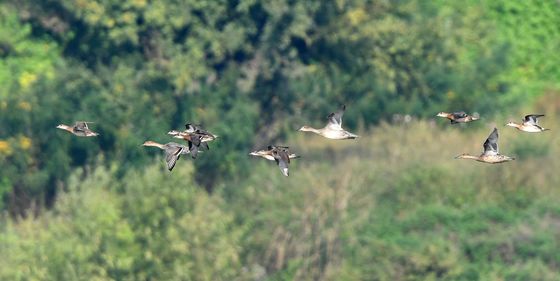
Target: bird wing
(532,118)
(191,128)
(491,143)
(282,159)
(195,139)
(172,154)
(459,114)
(81,126)
(207,134)
(282,147)
(194,149)
(205,145)
(335,118)
(285,153)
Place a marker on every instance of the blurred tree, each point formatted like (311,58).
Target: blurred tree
(143,229)
(25,61)
(252,71)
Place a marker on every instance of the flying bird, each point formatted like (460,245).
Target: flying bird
(333,129)
(79,129)
(280,154)
(172,151)
(457,117)
(530,124)
(491,153)
(195,136)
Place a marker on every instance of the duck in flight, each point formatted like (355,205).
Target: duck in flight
(333,129)
(280,154)
(195,143)
(79,129)
(195,136)
(193,129)
(172,151)
(458,117)
(530,124)
(491,153)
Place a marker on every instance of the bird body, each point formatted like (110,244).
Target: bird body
(490,159)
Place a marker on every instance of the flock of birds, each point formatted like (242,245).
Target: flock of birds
(491,154)
(197,139)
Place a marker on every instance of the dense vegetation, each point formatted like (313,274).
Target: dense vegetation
(393,205)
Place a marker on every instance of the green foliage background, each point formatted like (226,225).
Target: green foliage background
(391,206)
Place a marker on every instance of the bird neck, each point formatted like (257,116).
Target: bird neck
(468,156)
(65,127)
(515,125)
(311,129)
(153,143)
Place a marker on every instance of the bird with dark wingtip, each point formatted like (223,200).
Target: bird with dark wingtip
(530,124)
(191,129)
(172,151)
(79,129)
(457,117)
(333,129)
(491,153)
(195,136)
(280,154)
